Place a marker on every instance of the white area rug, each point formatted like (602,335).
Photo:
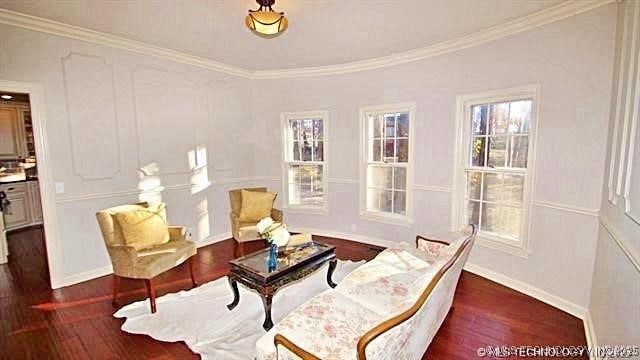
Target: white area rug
(200,317)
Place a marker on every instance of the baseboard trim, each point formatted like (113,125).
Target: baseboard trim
(539,294)
(590,334)
(83,276)
(108,269)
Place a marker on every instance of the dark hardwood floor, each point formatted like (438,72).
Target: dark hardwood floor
(76,322)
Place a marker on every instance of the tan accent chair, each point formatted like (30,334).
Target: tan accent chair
(242,231)
(147,263)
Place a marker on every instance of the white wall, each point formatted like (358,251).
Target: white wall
(615,294)
(111,112)
(572,62)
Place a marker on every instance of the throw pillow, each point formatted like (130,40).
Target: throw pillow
(145,227)
(256,205)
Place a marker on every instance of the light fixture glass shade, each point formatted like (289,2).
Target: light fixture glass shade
(266,23)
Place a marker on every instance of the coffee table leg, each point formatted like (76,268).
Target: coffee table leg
(236,294)
(332,267)
(266,301)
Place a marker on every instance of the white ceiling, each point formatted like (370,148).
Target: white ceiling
(320,32)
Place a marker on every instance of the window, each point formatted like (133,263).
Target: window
(305,170)
(386,174)
(494,172)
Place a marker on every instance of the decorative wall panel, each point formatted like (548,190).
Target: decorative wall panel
(169,110)
(93,124)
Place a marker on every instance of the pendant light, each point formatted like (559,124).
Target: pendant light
(265,21)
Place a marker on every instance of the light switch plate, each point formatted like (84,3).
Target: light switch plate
(59,187)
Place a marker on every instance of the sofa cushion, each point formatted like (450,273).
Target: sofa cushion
(256,205)
(329,326)
(143,228)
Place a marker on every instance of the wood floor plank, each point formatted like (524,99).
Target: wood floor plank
(76,322)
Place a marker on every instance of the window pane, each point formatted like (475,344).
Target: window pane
(492,187)
(479,120)
(498,118)
(305,185)
(512,190)
(318,151)
(389,125)
(473,185)
(378,200)
(518,151)
(473,212)
(379,176)
(296,151)
(399,202)
(377,125)
(295,128)
(490,218)
(512,221)
(402,150)
(497,151)
(389,151)
(520,117)
(376,151)
(403,125)
(318,129)
(400,178)
(478,149)
(306,151)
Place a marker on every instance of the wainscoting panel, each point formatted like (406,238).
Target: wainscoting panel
(93,123)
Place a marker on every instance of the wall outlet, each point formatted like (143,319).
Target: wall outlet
(59,187)
(354,227)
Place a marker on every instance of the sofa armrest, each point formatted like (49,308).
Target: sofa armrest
(303,354)
(276,215)
(235,224)
(177,233)
(422,238)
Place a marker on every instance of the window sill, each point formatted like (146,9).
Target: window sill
(387,219)
(515,248)
(306,210)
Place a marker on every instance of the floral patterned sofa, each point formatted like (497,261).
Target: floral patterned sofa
(389,308)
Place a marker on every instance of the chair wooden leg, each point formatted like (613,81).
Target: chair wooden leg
(151,291)
(116,286)
(193,277)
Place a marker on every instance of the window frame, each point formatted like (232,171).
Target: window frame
(285,117)
(464,104)
(391,218)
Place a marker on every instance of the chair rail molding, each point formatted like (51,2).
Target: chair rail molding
(549,15)
(627,249)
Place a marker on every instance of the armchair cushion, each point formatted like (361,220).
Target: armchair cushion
(256,205)
(144,227)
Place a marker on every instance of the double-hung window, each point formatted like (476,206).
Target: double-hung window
(494,174)
(386,180)
(305,168)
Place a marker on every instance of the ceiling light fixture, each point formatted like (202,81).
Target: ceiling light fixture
(6,97)
(265,21)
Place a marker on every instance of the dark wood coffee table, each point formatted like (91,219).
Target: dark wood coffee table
(293,264)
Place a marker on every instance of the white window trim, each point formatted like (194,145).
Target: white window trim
(521,247)
(284,123)
(395,219)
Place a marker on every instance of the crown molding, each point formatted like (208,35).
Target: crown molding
(552,14)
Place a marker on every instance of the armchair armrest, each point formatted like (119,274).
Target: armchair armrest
(123,259)
(422,238)
(303,354)
(177,233)
(276,215)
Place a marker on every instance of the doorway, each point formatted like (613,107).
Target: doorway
(22,236)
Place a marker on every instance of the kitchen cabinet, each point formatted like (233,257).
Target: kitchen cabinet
(16,132)
(25,208)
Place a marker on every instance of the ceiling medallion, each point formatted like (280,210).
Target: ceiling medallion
(265,21)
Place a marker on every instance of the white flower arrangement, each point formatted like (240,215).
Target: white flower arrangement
(273,232)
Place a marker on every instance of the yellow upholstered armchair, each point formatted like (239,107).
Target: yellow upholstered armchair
(136,263)
(246,231)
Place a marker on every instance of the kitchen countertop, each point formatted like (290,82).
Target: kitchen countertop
(18,181)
